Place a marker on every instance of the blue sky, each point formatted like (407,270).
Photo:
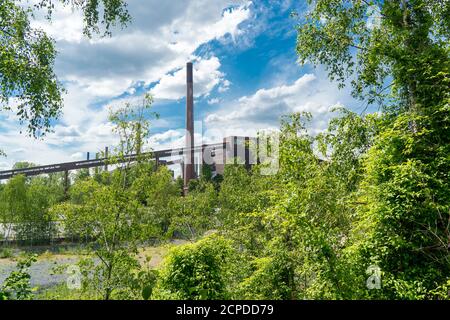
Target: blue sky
(245,76)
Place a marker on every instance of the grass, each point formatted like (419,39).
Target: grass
(44,252)
(147,255)
(153,256)
(62,292)
(6,253)
(46,255)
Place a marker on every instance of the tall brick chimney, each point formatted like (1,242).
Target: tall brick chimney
(189,155)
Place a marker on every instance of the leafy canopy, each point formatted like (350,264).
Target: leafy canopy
(380,45)
(28,84)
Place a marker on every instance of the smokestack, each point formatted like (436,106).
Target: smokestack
(189,155)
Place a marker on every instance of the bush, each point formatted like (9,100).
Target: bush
(268,281)
(197,271)
(195,213)
(6,253)
(17,285)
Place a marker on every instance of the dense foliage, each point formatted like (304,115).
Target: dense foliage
(359,211)
(197,271)
(24,205)
(402,220)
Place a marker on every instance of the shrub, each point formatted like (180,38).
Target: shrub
(268,281)
(6,253)
(197,271)
(17,285)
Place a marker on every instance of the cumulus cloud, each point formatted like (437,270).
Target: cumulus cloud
(213,101)
(160,39)
(67,131)
(263,109)
(77,156)
(165,136)
(225,85)
(206,77)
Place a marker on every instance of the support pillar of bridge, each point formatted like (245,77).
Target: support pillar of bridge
(106,158)
(66,183)
(247,152)
(237,151)
(96,169)
(156,162)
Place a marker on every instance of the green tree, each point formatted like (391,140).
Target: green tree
(23,165)
(25,203)
(195,213)
(158,194)
(109,217)
(36,225)
(108,212)
(397,54)
(400,45)
(14,203)
(403,222)
(292,227)
(28,84)
(82,174)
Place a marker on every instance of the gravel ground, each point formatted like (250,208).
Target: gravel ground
(40,271)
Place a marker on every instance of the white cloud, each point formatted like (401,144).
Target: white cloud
(4,165)
(66,23)
(35,151)
(263,109)
(213,101)
(165,136)
(78,156)
(224,86)
(161,38)
(191,31)
(206,76)
(66,131)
